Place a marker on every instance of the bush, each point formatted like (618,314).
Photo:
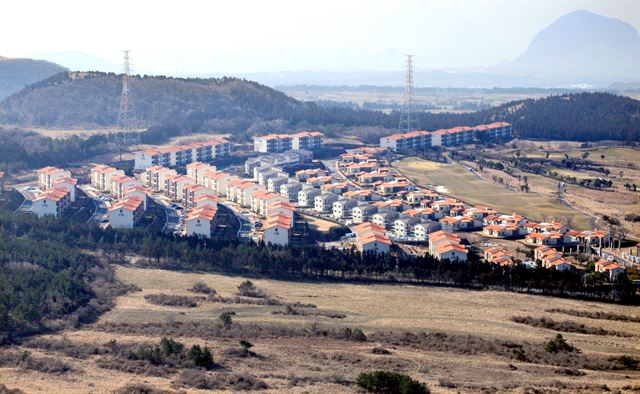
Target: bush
(201,287)
(390,382)
(173,300)
(558,344)
(380,350)
(169,346)
(201,357)
(226,319)
(248,289)
(628,362)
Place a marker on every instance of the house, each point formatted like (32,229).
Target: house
(541,251)
(201,221)
(197,169)
(191,192)
(245,192)
(356,168)
(319,181)
(290,190)
(416,197)
(446,246)
(303,175)
(613,268)
(309,140)
(273,184)
(362,212)
(175,156)
(393,187)
(277,229)
(69,184)
(261,199)
(373,177)
(47,176)
(51,202)
(336,188)
(536,238)
(324,202)
(422,230)
(372,238)
(390,205)
(218,181)
(362,195)
(402,227)
(126,212)
(342,208)
(503,230)
(120,183)
(385,219)
(264,174)
(306,197)
(101,176)
(499,255)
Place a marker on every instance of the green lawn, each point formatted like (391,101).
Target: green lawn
(463,184)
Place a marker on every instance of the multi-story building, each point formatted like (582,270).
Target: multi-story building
(308,140)
(273,184)
(363,212)
(201,222)
(126,212)
(51,202)
(120,184)
(342,208)
(447,246)
(385,219)
(420,139)
(138,192)
(197,169)
(191,192)
(69,184)
(324,202)
(277,229)
(175,185)
(290,190)
(155,177)
(261,199)
(403,227)
(184,154)
(372,238)
(47,176)
(101,176)
(306,197)
(273,143)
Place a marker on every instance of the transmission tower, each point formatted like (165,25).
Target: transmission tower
(407,121)
(126,135)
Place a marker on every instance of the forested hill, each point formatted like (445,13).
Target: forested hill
(245,108)
(15,74)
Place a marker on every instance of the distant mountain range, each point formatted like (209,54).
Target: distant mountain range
(15,74)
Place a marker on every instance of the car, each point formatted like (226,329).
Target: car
(104,221)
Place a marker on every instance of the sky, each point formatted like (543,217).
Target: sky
(190,37)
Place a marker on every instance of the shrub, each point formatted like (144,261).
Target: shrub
(226,319)
(355,334)
(390,382)
(380,350)
(519,354)
(248,289)
(558,344)
(169,346)
(628,362)
(201,287)
(173,300)
(201,356)
(245,345)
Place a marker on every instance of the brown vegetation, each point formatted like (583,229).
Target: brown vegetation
(567,326)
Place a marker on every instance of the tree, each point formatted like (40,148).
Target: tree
(201,357)
(585,155)
(391,382)
(602,157)
(245,345)
(226,319)
(558,344)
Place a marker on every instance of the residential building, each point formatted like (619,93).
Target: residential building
(175,185)
(206,199)
(306,197)
(280,207)
(422,230)
(273,143)
(47,176)
(341,209)
(137,192)
(197,169)
(69,184)
(273,184)
(385,219)
(51,202)
(308,140)
(101,176)
(290,190)
(363,212)
(120,183)
(126,212)
(611,267)
(262,199)
(201,221)
(277,229)
(446,246)
(303,175)
(191,191)
(324,202)
(177,156)
(155,177)
(372,238)
(402,227)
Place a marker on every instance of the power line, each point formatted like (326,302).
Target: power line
(407,120)
(126,135)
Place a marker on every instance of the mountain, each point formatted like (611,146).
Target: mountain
(581,46)
(15,74)
(90,99)
(78,61)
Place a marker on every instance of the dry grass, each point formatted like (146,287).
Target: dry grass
(318,224)
(318,364)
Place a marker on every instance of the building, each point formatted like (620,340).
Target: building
(69,184)
(262,199)
(402,228)
(385,219)
(126,212)
(273,143)
(290,190)
(446,246)
(175,185)
(1,182)
(372,238)
(499,255)
(303,175)
(177,156)
(154,177)
(306,197)
(206,199)
(288,158)
(611,267)
(420,139)
(422,230)
(138,192)
(218,181)
(277,229)
(308,140)
(324,202)
(120,183)
(51,202)
(201,222)
(281,207)
(341,209)
(101,176)
(47,176)
(197,169)
(273,184)
(363,212)
(191,192)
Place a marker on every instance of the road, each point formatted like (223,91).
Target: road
(101,208)
(29,194)
(246,227)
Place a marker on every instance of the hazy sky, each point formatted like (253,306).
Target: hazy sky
(190,37)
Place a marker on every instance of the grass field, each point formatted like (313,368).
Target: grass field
(317,364)
(467,186)
(319,224)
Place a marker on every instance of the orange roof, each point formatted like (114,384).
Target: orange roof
(130,203)
(374,237)
(278,220)
(203,212)
(53,194)
(72,181)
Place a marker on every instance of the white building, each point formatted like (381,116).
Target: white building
(47,176)
(126,213)
(277,229)
(120,184)
(101,176)
(342,208)
(200,222)
(51,202)
(324,202)
(182,155)
(308,140)
(69,184)
(372,238)
(306,197)
(197,169)
(363,212)
(272,143)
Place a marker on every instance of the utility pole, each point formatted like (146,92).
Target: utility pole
(407,121)
(126,136)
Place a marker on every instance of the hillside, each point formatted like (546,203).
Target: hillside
(582,45)
(15,74)
(245,108)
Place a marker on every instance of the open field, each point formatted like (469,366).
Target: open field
(467,186)
(319,364)
(320,224)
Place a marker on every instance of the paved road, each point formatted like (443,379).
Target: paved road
(101,209)
(247,227)
(29,196)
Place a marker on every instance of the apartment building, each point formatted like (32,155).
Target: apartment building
(197,169)
(1,182)
(363,212)
(175,185)
(191,192)
(446,246)
(290,190)
(307,140)
(273,184)
(126,212)
(273,143)
(51,202)
(288,158)
(385,219)
(138,192)
(101,176)
(201,222)
(306,197)
(341,209)
(303,175)
(262,199)
(175,156)
(277,229)
(324,202)
(120,184)
(372,238)
(420,139)
(47,175)
(402,227)
(69,184)
(206,199)
(154,177)
(280,207)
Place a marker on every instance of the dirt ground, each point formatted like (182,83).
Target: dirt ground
(313,364)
